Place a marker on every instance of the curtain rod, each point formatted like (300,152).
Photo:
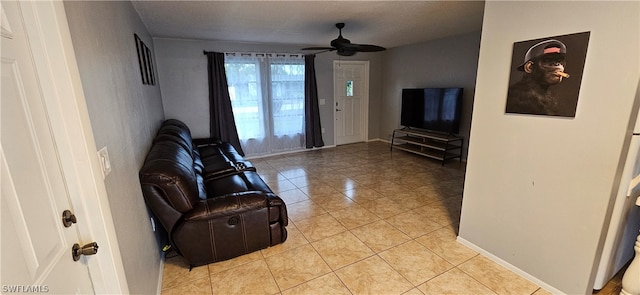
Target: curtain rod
(259,54)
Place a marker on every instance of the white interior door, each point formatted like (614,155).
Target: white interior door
(35,246)
(351,96)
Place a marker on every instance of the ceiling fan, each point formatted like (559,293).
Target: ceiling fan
(344,47)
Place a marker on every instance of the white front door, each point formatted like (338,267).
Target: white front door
(351,96)
(36,248)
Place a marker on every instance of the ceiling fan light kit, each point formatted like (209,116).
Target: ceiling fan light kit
(344,47)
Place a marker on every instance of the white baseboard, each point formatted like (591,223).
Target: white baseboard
(289,152)
(379,139)
(510,267)
(160,275)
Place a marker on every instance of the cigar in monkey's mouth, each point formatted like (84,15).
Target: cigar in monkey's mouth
(562,74)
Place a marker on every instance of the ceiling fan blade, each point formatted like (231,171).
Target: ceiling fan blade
(364,47)
(319,48)
(346,52)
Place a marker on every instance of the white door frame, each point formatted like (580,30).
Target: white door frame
(364,102)
(55,62)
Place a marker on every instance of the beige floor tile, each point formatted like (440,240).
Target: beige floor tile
(454,282)
(409,200)
(294,239)
(443,242)
(303,210)
(391,188)
(297,266)
(341,250)
(176,271)
(250,278)
(281,186)
(290,173)
(341,183)
(318,190)
(220,266)
(414,291)
(415,262)
(427,193)
(367,179)
(200,286)
(319,227)
(496,277)
(380,235)
(363,194)
(438,213)
(413,224)
(373,276)
(415,180)
(293,196)
(305,181)
(354,216)
(327,284)
(333,202)
(380,184)
(383,207)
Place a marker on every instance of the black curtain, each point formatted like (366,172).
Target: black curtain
(313,130)
(221,121)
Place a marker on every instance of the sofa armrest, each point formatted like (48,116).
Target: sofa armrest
(227,205)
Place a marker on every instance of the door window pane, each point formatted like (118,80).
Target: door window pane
(349,88)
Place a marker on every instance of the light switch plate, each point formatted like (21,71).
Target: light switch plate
(105,164)
(321,101)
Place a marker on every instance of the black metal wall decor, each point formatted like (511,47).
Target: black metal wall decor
(145,60)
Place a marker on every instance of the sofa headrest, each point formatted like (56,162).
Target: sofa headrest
(177,134)
(169,167)
(177,123)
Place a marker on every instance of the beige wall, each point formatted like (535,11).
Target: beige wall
(538,189)
(124,117)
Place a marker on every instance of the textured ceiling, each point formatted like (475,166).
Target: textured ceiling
(311,23)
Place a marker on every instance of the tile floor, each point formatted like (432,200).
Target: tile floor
(363,220)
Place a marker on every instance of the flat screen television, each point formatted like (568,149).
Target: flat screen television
(432,109)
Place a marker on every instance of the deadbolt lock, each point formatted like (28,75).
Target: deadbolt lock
(88,249)
(68,218)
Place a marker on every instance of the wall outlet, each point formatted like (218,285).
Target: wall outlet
(105,164)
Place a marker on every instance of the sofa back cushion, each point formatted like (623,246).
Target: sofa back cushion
(169,167)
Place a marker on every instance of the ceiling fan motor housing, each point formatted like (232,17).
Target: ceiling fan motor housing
(344,47)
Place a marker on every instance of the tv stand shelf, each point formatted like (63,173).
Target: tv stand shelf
(429,144)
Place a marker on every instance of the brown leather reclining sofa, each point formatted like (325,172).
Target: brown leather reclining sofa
(212,203)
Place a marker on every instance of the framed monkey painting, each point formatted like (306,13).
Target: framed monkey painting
(546,75)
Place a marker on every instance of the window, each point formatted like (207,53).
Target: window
(267,96)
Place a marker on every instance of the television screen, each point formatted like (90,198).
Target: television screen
(433,109)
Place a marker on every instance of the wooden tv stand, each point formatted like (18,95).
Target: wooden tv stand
(429,144)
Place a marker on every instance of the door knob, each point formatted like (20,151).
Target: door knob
(88,249)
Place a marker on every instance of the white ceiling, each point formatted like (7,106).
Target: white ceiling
(311,23)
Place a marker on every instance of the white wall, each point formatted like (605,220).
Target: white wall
(538,189)
(125,116)
(445,62)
